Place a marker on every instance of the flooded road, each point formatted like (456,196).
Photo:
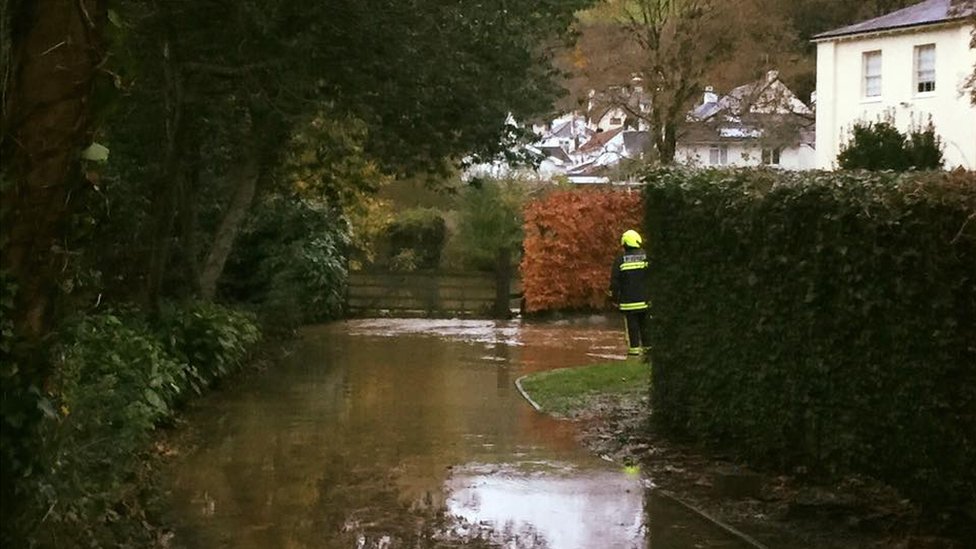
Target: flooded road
(410,433)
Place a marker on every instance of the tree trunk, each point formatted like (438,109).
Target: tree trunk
(246,180)
(166,192)
(669,143)
(55,48)
(503,284)
(189,244)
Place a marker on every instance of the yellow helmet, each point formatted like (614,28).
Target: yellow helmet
(631,239)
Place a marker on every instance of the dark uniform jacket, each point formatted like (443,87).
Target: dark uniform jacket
(628,280)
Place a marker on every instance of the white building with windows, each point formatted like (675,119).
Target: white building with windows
(910,67)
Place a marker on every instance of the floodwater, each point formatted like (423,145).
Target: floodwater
(411,433)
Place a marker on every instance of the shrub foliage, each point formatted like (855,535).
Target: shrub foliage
(571,238)
(490,221)
(289,263)
(880,146)
(417,239)
(118,376)
(823,320)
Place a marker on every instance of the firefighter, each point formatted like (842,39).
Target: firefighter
(628,289)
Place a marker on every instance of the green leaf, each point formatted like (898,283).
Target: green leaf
(96,152)
(113,17)
(45,405)
(154,399)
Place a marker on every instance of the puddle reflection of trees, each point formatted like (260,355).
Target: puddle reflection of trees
(349,444)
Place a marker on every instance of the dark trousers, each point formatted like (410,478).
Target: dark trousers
(635,323)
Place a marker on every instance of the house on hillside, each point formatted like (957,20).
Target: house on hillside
(618,107)
(567,132)
(596,158)
(908,66)
(756,124)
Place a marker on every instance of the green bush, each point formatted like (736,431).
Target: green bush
(289,263)
(419,234)
(114,381)
(923,147)
(211,341)
(822,320)
(19,399)
(490,222)
(117,376)
(879,145)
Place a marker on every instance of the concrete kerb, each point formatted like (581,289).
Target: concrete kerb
(518,385)
(745,538)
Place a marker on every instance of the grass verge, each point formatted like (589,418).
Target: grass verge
(571,392)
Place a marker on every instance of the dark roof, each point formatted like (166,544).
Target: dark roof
(789,129)
(703,133)
(930,12)
(556,152)
(706,110)
(563,130)
(767,92)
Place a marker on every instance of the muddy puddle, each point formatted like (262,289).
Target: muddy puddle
(410,433)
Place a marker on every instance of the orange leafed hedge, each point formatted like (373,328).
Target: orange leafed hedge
(571,239)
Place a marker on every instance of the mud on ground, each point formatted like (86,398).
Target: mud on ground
(776,510)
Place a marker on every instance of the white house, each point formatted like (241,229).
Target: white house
(618,107)
(908,66)
(592,161)
(612,118)
(567,132)
(760,123)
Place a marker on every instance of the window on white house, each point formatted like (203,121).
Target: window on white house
(770,157)
(872,74)
(718,155)
(925,68)
(616,121)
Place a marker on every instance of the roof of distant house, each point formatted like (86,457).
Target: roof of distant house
(555,152)
(600,140)
(568,128)
(767,95)
(930,12)
(785,129)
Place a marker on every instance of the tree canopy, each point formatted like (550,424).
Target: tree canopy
(140,138)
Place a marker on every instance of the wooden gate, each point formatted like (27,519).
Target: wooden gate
(424,293)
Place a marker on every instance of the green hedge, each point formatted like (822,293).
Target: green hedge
(820,319)
(118,375)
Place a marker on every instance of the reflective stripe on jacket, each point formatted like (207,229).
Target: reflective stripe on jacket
(628,280)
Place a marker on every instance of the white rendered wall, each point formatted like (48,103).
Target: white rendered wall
(743,155)
(841,101)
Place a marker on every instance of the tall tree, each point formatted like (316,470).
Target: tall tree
(52,55)
(679,42)
(676,48)
(431,81)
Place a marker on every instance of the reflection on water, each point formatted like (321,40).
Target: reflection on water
(405,433)
(552,507)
